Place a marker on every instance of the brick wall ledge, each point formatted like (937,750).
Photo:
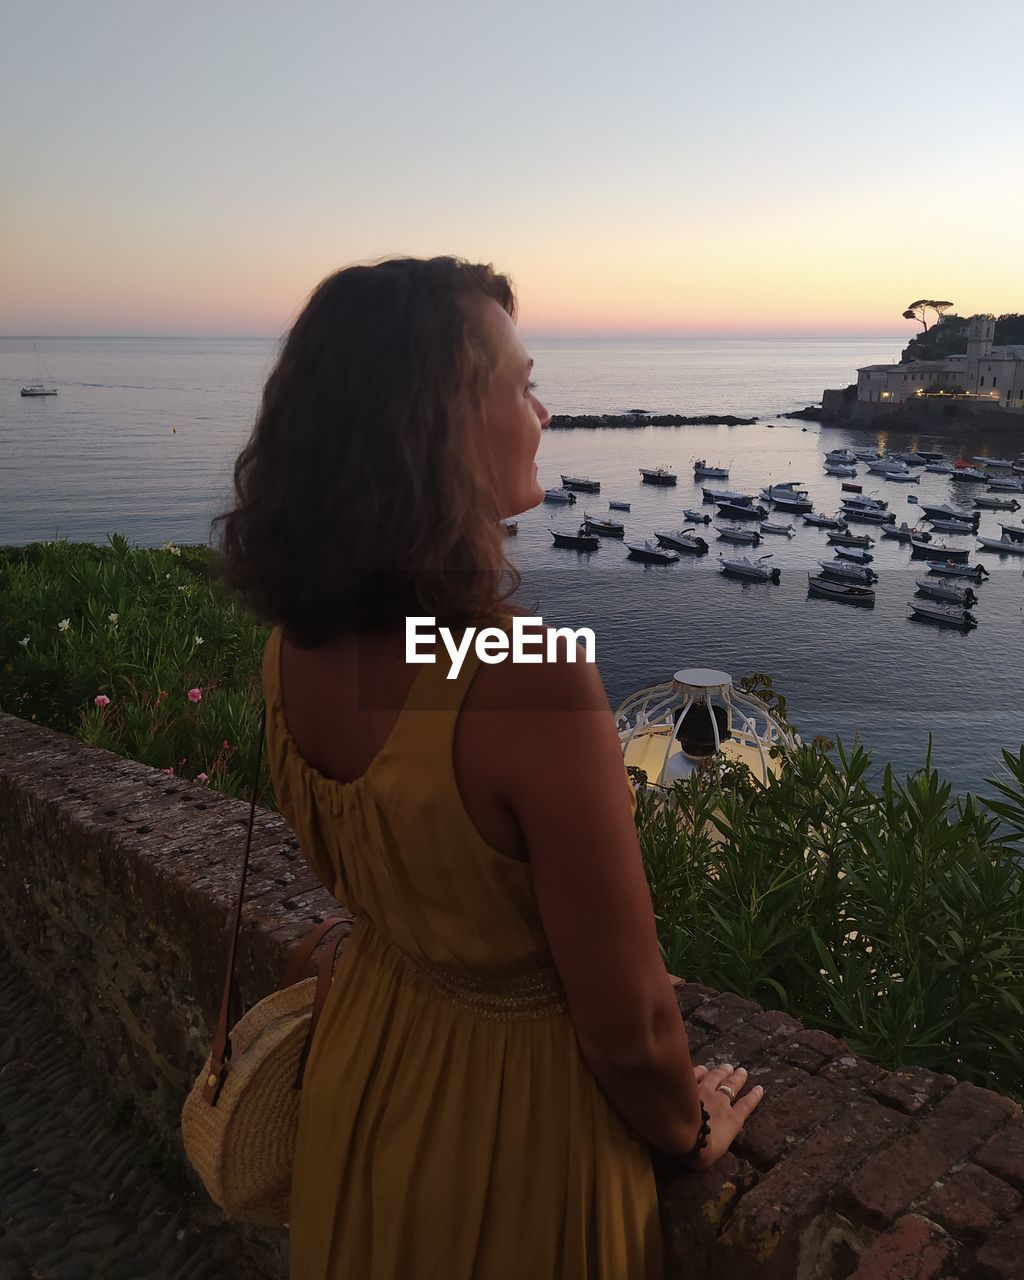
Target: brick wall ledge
(116,900)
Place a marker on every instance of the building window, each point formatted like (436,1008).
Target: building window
(981,382)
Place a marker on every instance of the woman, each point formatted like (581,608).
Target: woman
(501,1046)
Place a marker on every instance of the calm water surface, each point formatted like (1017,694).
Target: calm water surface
(142,438)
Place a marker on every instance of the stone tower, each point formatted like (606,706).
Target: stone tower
(980,332)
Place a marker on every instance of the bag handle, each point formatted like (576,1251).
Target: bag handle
(220,1050)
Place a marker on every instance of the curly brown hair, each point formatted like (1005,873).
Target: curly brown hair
(364,494)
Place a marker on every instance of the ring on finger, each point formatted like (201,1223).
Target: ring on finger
(724,1088)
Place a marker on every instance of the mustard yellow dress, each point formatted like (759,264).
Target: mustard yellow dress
(449,1128)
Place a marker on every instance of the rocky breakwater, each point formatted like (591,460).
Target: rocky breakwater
(640,418)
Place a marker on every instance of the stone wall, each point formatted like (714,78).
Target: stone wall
(116,900)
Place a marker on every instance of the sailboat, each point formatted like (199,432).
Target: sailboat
(38,388)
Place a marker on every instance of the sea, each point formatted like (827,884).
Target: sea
(142,437)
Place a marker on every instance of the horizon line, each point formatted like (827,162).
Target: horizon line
(616,335)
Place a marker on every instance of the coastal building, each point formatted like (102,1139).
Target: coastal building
(986,374)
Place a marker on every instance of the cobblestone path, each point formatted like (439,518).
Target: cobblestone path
(76,1201)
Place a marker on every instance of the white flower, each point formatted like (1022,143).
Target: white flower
(167,575)
(24,641)
(198,640)
(182,588)
(112,618)
(64,624)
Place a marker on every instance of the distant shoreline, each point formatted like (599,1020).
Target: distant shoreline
(639,418)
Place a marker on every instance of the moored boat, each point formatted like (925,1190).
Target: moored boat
(697,517)
(1006,484)
(992,503)
(831,588)
(657,475)
(603,528)
(846,469)
(870,515)
(703,469)
(936,611)
(842,456)
(938,550)
(825,522)
(683,540)
(727,495)
(511,527)
(847,572)
(738,511)
(960,527)
(732,533)
(940,468)
(581,540)
(798,501)
(1001,463)
(940,590)
(775,526)
(845,539)
(905,533)
(583,483)
(903,477)
(649,551)
(967,474)
(943,511)
(758,570)
(949,569)
(559,495)
(619,506)
(855,554)
(1003,544)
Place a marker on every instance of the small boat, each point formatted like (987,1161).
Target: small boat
(784,489)
(939,590)
(702,470)
(852,488)
(902,477)
(511,527)
(846,572)
(559,495)
(619,506)
(731,533)
(938,550)
(657,475)
(930,455)
(1006,463)
(936,611)
(581,540)
(1006,484)
(35,389)
(583,483)
(603,528)
(647,550)
(968,473)
(882,466)
(697,517)
(996,504)
(840,469)
(844,457)
(826,522)
(946,512)
(865,502)
(910,457)
(856,554)
(683,540)
(738,511)
(797,502)
(868,515)
(772,526)
(854,592)
(865,453)
(1004,544)
(743,567)
(948,569)
(940,468)
(838,539)
(905,533)
(727,495)
(1015,532)
(960,527)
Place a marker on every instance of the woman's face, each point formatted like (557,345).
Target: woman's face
(515,417)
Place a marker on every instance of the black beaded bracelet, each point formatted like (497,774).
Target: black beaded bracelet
(702,1136)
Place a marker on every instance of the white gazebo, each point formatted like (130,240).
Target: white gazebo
(741,726)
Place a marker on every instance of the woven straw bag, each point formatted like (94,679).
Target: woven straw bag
(240,1119)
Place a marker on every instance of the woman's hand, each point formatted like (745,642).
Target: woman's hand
(727,1114)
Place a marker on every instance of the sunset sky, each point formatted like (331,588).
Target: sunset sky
(796,167)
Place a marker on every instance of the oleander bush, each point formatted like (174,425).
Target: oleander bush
(890,914)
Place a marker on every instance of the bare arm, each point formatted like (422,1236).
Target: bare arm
(564,781)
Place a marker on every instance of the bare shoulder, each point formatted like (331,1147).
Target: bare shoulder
(556,673)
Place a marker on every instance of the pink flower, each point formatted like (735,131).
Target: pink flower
(225,743)
(101,700)
(201,777)
(195,695)
(170,771)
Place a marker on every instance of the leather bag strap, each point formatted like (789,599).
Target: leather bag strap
(220,1051)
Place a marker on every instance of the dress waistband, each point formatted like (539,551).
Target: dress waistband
(538,994)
